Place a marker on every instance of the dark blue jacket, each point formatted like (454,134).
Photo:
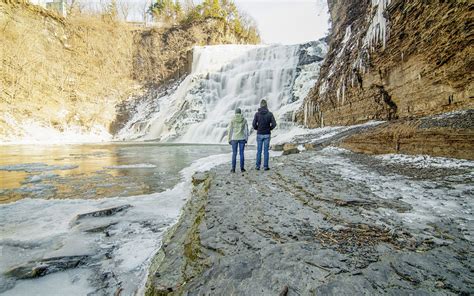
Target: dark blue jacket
(263,121)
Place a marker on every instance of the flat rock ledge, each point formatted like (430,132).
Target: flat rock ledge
(304,228)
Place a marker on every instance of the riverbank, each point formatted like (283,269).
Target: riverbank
(324,222)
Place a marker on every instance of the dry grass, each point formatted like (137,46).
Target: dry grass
(82,65)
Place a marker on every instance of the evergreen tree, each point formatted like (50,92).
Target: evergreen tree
(165,11)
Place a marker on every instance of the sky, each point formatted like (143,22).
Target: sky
(288,21)
(279,21)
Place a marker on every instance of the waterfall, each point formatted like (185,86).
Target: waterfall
(225,77)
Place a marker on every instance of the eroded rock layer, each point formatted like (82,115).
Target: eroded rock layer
(450,136)
(394,59)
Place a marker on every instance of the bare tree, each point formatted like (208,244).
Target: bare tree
(124,8)
(145,9)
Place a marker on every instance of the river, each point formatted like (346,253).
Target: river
(45,187)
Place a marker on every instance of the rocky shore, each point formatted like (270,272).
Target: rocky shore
(327,222)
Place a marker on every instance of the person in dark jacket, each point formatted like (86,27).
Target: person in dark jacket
(263,122)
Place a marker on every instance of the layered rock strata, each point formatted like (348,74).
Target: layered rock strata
(392,59)
(449,136)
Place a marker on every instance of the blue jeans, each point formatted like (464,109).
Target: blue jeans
(262,140)
(241,145)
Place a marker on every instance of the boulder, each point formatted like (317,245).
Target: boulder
(291,151)
(277,147)
(288,146)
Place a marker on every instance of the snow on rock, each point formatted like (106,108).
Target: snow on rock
(299,134)
(431,199)
(32,132)
(423,161)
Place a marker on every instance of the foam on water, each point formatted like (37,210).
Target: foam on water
(132,166)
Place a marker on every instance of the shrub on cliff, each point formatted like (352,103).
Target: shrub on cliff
(224,12)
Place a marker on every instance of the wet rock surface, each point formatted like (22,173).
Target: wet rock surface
(46,266)
(101,213)
(326,222)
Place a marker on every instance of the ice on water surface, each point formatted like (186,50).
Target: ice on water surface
(115,244)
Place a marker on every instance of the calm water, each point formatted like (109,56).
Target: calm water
(91,171)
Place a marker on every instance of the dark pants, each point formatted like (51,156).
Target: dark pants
(241,145)
(263,141)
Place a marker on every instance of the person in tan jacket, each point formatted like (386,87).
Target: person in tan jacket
(237,136)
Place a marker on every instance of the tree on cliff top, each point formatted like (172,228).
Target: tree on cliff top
(171,12)
(167,11)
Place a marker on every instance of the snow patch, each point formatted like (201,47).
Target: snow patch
(431,200)
(424,161)
(33,132)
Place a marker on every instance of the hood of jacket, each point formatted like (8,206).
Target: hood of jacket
(238,118)
(263,110)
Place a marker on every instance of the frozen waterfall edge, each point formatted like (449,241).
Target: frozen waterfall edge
(197,107)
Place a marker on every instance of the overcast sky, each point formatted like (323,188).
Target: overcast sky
(288,21)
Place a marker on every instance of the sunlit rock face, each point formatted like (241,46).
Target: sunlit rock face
(198,108)
(392,59)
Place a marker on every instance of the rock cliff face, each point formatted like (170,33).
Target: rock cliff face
(393,59)
(162,54)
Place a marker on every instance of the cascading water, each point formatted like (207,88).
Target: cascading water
(225,77)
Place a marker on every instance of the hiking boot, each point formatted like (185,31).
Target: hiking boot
(257,169)
(232,170)
(242,170)
(266,169)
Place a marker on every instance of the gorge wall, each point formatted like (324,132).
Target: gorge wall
(60,76)
(63,78)
(392,59)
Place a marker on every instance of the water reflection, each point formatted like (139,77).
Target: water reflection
(94,171)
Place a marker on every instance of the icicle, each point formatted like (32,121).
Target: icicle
(306,114)
(343,91)
(377,31)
